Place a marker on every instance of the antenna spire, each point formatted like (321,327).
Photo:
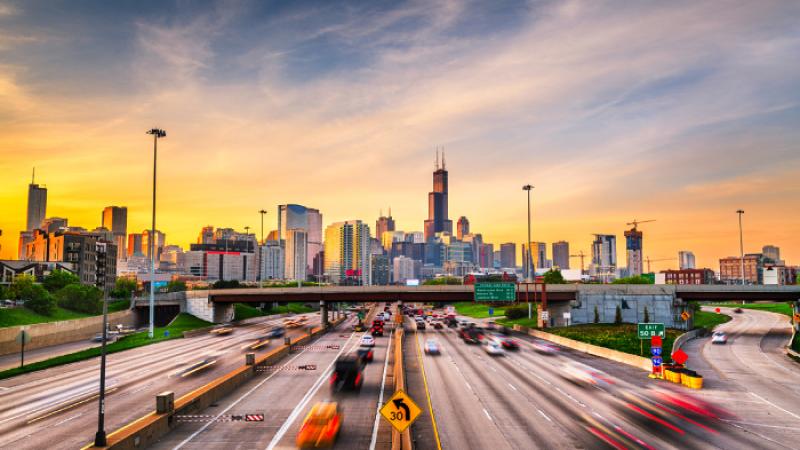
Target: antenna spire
(33,176)
(443,166)
(436,165)
(390,211)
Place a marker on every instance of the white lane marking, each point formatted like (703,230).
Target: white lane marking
(304,401)
(512,386)
(773,404)
(380,399)
(493,368)
(757,434)
(487,414)
(760,424)
(544,415)
(246,394)
(468,386)
(68,419)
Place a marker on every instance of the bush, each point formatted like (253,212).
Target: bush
(176,286)
(58,279)
(553,276)
(639,279)
(618,316)
(38,300)
(596,315)
(123,288)
(81,298)
(646,315)
(516,312)
(225,284)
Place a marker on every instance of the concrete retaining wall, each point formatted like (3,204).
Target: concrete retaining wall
(607,353)
(685,337)
(54,333)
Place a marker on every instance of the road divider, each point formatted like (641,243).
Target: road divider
(400,441)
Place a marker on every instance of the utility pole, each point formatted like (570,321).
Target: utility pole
(260,252)
(741,242)
(100,436)
(157,133)
(528,257)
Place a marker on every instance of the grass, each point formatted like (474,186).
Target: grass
(623,337)
(708,320)
(525,322)
(12,317)
(183,322)
(293,308)
(780,308)
(478,310)
(242,311)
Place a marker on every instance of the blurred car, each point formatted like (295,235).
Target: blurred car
(544,347)
(98,337)
(437,325)
(507,342)
(359,327)
(348,373)
(738,310)
(420,324)
(367,341)
(199,366)
(490,325)
(432,347)
(377,328)
(463,322)
(221,331)
(493,347)
(276,332)
(366,353)
(583,375)
(719,337)
(258,343)
(471,335)
(321,426)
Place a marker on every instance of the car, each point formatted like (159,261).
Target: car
(491,325)
(348,373)
(452,323)
(463,322)
(493,347)
(507,342)
(432,347)
(738,310)
(321,426)
(719,337)
(471,335)
(366,353)
(437,325)
(98,337)
(258,343)
(276,332)
(420,324)
(359,327)
(544,347)
(221,331)
(367,341)
(582,374)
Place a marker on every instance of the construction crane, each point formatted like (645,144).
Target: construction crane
(580,255)
(637,222)
(648,260)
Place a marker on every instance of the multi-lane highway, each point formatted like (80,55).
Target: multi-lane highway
(57,408)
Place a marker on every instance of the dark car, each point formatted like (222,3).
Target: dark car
(377,328)
(276,332)
(738,310)
(437,325)
(348,373)
(365,353)
(507,342)
(472,335)
(420,324)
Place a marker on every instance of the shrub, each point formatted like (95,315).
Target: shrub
(57,279)
(596,315)
(516,312)
(176,286)
(39,300)
(553,276)
(123,288)
(81,298)
(225,284)
(618,316)
(646,315)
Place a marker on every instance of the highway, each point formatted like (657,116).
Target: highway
(286,396)
(57,407)
(752,375)
(521,401)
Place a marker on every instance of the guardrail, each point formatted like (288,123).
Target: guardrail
(147,430)
(400,441)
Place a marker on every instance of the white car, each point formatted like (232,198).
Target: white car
(432,347)
(719,338)
(367,341)
(493,347)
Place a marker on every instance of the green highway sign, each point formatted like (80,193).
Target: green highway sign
(495,292)
(648,330)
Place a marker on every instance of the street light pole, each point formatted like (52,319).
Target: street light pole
(261,252)
(100,436)
(741,242)
(528,257)
(157,133)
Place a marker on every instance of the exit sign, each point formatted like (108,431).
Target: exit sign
(495,292)
(648,330)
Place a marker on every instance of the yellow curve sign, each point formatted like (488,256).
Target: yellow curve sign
(400,411)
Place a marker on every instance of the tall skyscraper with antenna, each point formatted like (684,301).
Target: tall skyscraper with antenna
(37,204)
(438,220)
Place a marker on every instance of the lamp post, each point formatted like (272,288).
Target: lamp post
(528,258)
(100,436)
(260,252)
(157,133)
(741,242)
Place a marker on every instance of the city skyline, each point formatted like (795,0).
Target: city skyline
(675,147)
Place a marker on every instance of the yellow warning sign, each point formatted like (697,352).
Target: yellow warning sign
(685,316)
(400,411)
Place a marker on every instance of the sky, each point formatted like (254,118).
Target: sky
(681,111)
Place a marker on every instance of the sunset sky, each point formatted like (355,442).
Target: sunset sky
(681,111)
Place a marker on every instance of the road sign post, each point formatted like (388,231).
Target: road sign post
(655,351)
(23,337)
(491,311)
(495,292)
(648,330)
(400,411)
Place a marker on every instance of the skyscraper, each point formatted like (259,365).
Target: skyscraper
(135,245)
(561,254)
(437,203)
(296,254)
(37,205)
(462,227)
(115,218)
(686,259)
(508,255)
(604,254)
(158,243)
(384,224)
(633,250)
(347,253)
(539,255)
(293,216)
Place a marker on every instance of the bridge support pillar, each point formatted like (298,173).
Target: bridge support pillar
(323,313)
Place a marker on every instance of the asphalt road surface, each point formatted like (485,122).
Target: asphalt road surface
(57,408)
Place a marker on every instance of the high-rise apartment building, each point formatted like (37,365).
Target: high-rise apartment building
(561,255)
(604,255)
(380,270)
(37,206)
(686,260)
(115,218)
(296,254)
(438,221)
(486,256)
(403,269)
(462,227)
(384,224)
(508,255)
(135,247)
(291,216)
(772,253)
(633,249)
(207,235)
(272,260)
(347,253)
(539,255)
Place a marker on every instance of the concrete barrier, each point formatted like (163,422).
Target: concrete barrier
(685,337)
(607,353)
(55,333)
(147,430)
(400,441)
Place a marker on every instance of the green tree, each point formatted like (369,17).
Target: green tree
(81,298)
(442,280)
(639,279)
(35,296)
(596,315)
(516,312)
(553,276)
(57,279)
(176,286)
(123,288)
(646,315)
(618,316)
(226,284)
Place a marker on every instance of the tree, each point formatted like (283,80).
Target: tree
(123,288)
(596,315)
(618,316)
(553,276)
(442,280)
(639,279)
(225,284)
(646,315)
(176,286)
(516,312)
(35,296)
(82,298)
(57,279)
